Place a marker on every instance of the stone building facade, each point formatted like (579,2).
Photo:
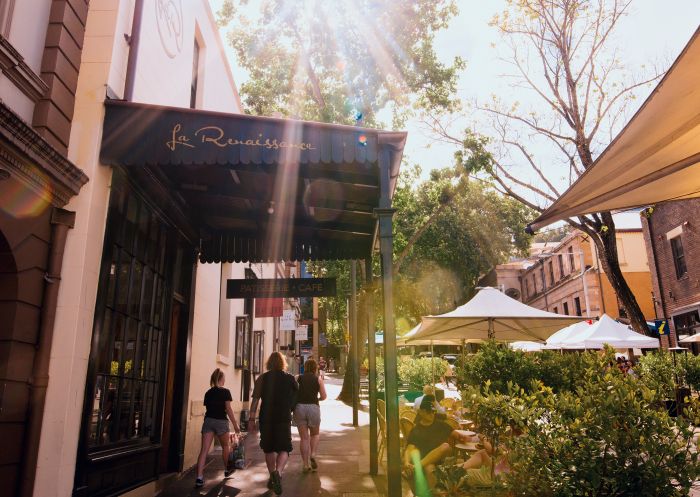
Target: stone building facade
(567,278)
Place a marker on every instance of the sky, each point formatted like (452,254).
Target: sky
(655,31)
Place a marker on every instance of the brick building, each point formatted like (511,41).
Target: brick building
(672,239)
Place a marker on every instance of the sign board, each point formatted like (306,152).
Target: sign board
(288,321)
(270,288)
(661,326)
(301,333)
(268,308)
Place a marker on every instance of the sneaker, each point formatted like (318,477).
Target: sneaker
(199,482)
(228,472)
(276,483)
(314,465)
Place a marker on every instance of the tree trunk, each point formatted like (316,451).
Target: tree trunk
(363,300)
(606,243)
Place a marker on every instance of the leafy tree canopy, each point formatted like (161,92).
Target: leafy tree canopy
(342,61)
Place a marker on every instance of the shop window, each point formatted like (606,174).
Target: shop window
(551,273)
(128,351)
(577,306)
(678,257)
(572,262)
(195,75)
(258,350)
(242,357)
(560,259)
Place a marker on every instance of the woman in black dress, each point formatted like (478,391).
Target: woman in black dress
(307,413)
(275,391)
(217,400)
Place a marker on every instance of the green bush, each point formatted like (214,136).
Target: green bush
(609,437)
(657,372)
(418,372)
(692,374)
(497,364)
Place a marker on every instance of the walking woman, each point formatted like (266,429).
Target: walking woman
(307,413)
(275,391)
(217,400)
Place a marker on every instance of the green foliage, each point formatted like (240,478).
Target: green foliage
(441,266)
(609,437)
(497,365)
(333,310)
(342,57)
(692,375)
(418,372)
(657,372)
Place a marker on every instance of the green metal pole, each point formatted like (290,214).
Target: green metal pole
(352,310)
(390,361)
(372,378)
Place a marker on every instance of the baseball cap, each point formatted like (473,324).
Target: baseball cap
(428,403)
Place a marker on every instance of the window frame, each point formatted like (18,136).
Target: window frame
(678,256)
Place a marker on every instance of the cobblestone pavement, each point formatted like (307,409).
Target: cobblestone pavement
(342,458)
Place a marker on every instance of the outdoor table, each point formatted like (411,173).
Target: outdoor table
(466,433)
(465,423)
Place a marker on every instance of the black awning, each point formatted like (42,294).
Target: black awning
(259,189)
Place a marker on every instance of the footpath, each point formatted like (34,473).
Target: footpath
(343,460)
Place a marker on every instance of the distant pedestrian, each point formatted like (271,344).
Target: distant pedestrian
(275,391)
(331,365)
(322,366)
(307,413)
(217,400)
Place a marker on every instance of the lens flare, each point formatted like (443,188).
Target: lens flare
(362,140)
(19,201)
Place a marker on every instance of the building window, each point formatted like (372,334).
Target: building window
(527,288)
(534,284)
(572,263)
(551,273)
(560,258)
(195,76)
(577,306)
(242,359)
(556,310)
(130,320)
(258,350)
(678,256)
(566,308)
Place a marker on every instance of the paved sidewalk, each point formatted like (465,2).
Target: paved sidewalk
(343,461)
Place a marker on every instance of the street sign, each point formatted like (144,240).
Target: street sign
(268,308)
(269,288)
(301,333)
(288,320)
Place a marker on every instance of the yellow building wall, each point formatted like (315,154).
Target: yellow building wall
(640,284)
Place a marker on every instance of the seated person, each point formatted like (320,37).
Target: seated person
(428,390)
(429,442)
(480,463)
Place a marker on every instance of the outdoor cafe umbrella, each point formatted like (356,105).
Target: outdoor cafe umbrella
(690,339)
(607,331)
(491,314)
(571,332)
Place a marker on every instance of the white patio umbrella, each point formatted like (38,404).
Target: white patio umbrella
(492,314)
(608,331)
(526,346)
(690,339)
(570,332)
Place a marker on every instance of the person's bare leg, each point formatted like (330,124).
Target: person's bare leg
(436,455)
(282,458)
(304,444)
(477,460)
(271,461)
(315,436)
(224,440)
(207,439)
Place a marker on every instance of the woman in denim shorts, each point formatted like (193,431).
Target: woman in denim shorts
(307,413)
(217,400)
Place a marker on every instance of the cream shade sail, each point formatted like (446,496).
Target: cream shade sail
(655,158)
(491,314)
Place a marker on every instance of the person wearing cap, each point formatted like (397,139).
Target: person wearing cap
(428,390)
(429,442)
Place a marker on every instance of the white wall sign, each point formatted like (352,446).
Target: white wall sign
(288,321)
(302,332)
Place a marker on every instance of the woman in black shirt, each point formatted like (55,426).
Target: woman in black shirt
(217,400)
(307,413)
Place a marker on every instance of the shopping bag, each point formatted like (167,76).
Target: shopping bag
(236,458)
